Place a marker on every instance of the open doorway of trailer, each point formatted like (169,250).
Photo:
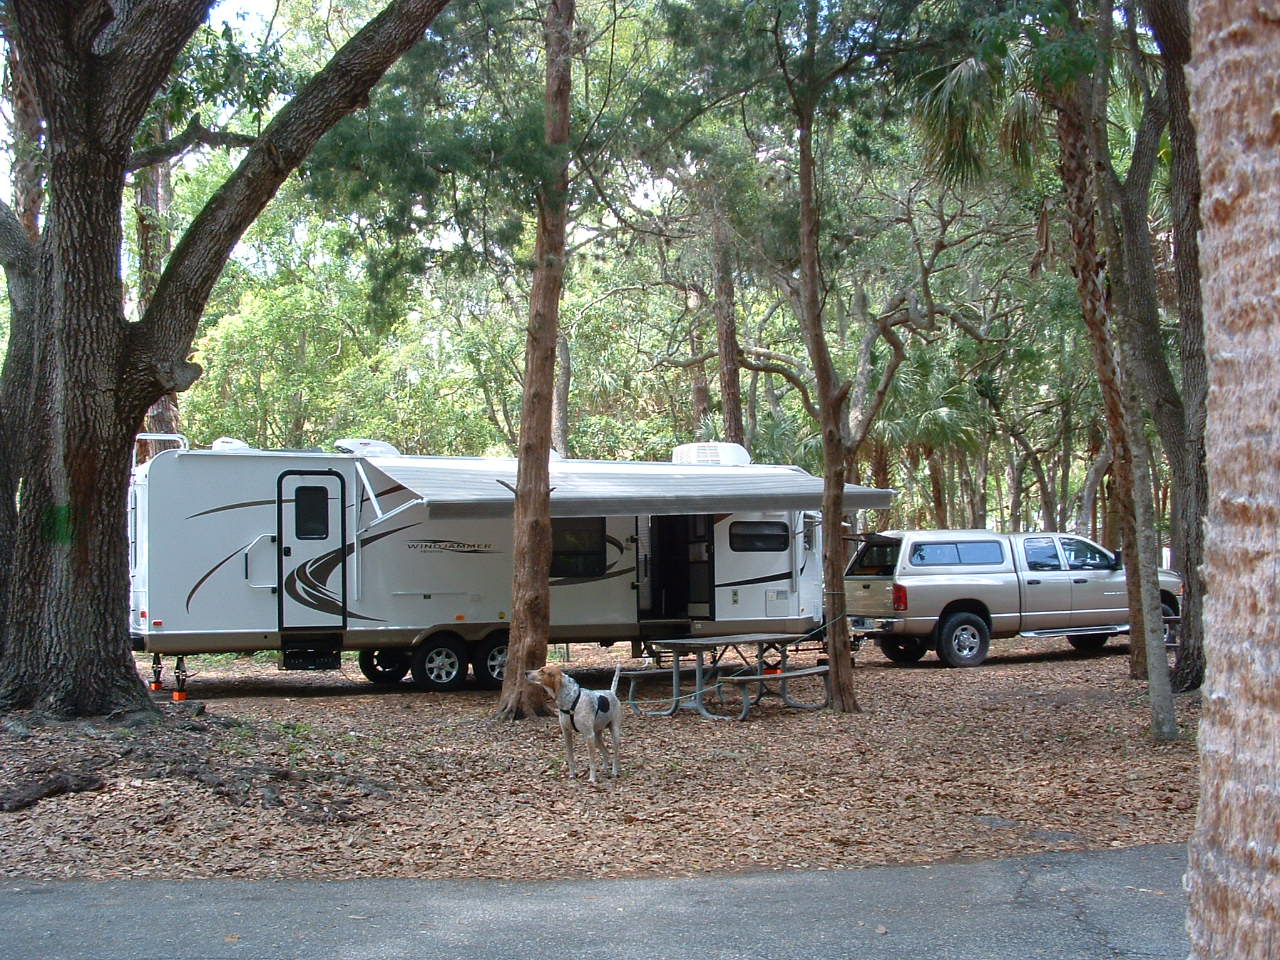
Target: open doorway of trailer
(677,563)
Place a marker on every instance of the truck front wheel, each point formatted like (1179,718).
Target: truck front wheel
(963,640)
(903,650)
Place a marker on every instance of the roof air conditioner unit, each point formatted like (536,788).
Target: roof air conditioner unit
(229,443)
(724,454)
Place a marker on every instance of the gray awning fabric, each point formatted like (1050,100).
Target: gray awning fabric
(466,487)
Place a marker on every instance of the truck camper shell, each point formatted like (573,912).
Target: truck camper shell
(407,559)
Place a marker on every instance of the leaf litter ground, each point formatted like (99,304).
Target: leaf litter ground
(286,775)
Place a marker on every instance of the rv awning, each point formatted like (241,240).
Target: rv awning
(465,487)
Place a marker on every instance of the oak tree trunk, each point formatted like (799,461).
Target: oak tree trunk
(1233,878)
(531,552)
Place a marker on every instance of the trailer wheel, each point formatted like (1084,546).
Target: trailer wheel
(906,650)
(963,640)
(490,660)
(386,668)
(440,662)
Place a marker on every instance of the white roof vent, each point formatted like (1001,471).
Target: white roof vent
(367,448)
(229,443)
(726,454)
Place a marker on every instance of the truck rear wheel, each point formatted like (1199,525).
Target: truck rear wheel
(440,662)
(903,650)
(386,668)
(963,640)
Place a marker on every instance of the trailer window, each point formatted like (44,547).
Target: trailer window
(577,547)
(759,536)
(311,513)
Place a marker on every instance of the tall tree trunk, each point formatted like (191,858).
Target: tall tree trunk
(727,331)
(937,488)
(1233,878)
(1089,269)
(832,395)
(560,398)
(1171,23)
(531,552)
(153,192)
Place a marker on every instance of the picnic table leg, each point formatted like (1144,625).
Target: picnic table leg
(700,690)
(786,698)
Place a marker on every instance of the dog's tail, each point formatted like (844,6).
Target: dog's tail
(617,671)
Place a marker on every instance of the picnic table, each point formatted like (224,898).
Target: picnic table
(761,669)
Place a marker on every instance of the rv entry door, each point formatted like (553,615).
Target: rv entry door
(313,535)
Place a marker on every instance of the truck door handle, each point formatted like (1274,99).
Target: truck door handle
(1080,580)
(1032,582)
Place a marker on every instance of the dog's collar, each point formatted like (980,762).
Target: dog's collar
(573,706)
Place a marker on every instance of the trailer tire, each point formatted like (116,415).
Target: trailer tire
(963,640)
(903,650)
(386,667)
(440,662)
(490,660)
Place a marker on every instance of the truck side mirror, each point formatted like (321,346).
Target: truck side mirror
(1117,561)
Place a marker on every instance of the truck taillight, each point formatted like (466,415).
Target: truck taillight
(899,597)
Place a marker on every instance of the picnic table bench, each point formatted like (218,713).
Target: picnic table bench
(744,680)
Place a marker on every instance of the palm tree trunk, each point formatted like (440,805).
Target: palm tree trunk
(1233,878)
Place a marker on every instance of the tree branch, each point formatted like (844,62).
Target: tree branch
(195,133)
(163,336)
(745,359)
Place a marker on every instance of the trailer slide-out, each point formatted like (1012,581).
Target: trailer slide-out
(407,559)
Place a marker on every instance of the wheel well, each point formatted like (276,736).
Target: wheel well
(975,607)
(437,635)
(1168,598)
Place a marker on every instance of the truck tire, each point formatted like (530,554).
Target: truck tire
(1089,642)
(963,640)
(903,650)
(490,660)
(440,662)
(386,668)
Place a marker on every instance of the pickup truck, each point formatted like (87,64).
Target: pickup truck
(953,590)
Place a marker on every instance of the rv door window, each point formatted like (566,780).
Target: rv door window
(577,547)
(311,513)
(759,536)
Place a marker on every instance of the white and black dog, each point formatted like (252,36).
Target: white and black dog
(584,712)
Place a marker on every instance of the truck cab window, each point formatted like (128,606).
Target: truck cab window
(1082,555)
(1041,554)
(577,547)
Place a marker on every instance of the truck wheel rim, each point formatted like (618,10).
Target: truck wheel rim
(441,665)
(966,642)
(496,662)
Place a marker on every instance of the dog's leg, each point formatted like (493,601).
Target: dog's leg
(568,749)
(591,758)
(615,729)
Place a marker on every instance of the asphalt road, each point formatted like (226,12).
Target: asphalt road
(1070,906)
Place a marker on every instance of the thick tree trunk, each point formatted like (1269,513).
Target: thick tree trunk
(91,374)
(727,332)
(937,488)
(1233,878)
(531,552)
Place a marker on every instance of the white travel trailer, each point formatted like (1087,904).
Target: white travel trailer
(407,559)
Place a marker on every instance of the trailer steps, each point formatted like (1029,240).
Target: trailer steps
(311,651)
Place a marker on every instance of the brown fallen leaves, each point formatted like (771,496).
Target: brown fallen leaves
(321,775)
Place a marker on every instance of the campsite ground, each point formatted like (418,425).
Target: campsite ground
(323,776)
